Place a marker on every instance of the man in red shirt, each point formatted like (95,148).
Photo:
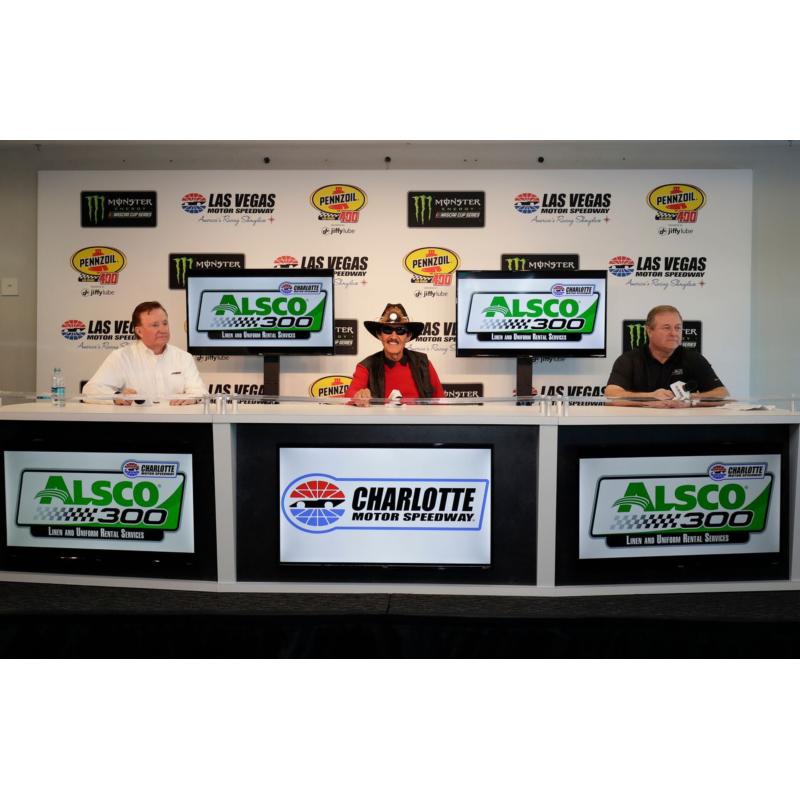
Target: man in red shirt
(394,367)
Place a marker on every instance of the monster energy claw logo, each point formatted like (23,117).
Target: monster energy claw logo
(96,204)
(637,334)
(182,265)
(515,264)
(423,208)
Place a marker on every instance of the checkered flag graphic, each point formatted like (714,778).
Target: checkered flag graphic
(241,322)
(66,514)
(502,324)
(645,522)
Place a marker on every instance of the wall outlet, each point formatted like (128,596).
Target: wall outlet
(9,287)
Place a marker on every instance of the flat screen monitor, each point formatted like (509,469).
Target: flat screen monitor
(260,312)
(520,314)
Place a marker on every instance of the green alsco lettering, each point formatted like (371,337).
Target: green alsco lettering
(264,305)
(227,303)
(78,497)
(496,305)
(729,496)
(685,497)
(101,492)
(635,495)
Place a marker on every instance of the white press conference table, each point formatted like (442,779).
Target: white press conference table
(552,421)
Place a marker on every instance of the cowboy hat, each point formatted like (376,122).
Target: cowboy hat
(395,316)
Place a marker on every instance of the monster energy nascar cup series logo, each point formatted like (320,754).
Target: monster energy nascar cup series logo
(182,264)
(115,209)
(725,502)
(566,312)
(428,209)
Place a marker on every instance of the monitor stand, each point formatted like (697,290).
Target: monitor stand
(524,379)
(272,376)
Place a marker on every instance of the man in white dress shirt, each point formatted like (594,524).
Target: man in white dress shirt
(150,367)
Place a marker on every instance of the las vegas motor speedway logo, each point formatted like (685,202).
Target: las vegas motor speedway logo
(726,504)
(242,205)
(142,500)
(320,503)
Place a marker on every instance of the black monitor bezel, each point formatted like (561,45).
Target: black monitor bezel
(261,348)
(538,350)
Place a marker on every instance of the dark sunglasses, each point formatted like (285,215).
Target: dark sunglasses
(400,330)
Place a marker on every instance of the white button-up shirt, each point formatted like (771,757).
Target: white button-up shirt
(138,367)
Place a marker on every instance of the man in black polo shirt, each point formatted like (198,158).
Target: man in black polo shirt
(650,370)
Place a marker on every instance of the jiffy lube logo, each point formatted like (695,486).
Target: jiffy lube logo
(295,308)
(339,202)
(564,310)
(432,265)
(725,505)
(141,500)
(319,503)
(98,264)
(676,202)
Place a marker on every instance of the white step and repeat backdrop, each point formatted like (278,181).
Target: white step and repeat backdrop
(109,240)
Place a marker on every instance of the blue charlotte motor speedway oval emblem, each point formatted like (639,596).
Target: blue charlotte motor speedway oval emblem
(315,503)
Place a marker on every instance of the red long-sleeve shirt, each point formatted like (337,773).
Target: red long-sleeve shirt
(397,375)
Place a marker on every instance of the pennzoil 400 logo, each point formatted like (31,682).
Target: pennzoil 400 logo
(339,202)
(142,500)
(676,203)
(98,264)
(330,386)
(434,265)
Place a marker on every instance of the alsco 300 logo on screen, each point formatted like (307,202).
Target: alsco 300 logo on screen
(566,313)
(293,312)
(339,202)
(676,202)
(140,501)
(98,264)
(725,505)
(432,265)
(318,503)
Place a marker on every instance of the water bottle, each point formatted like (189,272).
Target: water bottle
(58,392)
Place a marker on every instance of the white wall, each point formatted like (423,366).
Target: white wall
(775,361)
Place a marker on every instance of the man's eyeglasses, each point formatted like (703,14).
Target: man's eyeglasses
(400,330)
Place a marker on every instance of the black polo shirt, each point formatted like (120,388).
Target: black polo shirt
(637,371)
